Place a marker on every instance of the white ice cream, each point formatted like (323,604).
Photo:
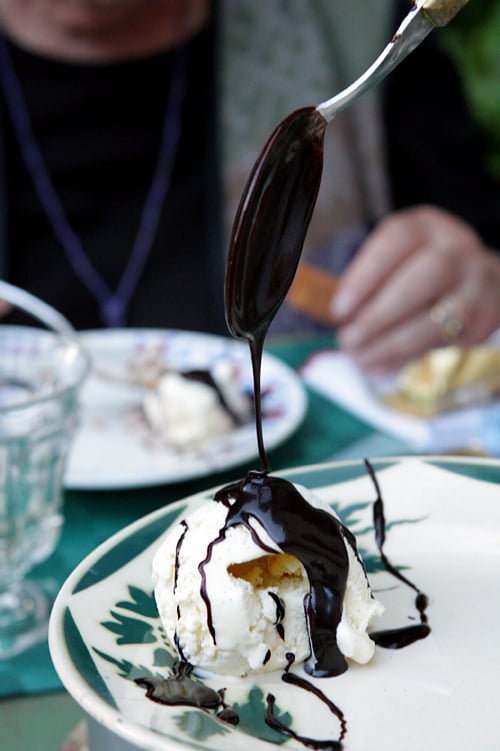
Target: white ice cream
(185,412)
(241,579)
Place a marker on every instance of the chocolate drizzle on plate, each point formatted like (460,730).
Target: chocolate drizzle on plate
(395,638)
(295,680)
(180,689)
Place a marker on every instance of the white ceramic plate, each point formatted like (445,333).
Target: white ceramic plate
(114,448)
(443,527)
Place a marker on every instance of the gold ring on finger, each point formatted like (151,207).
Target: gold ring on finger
(444,316)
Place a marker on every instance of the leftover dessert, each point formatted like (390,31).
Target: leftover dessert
(187,408)
(447,378)
(264,570)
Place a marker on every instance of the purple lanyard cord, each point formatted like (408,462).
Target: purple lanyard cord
(112,304)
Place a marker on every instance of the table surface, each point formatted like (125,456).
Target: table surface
(29,686)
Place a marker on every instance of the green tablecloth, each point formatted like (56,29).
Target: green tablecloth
(91,517)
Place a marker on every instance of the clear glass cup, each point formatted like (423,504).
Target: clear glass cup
(41,372)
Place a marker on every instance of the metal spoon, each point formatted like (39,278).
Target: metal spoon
(279,198)
(420,21)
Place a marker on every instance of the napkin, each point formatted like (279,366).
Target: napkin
(335,376)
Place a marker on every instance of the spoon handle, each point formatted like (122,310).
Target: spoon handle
(424,16)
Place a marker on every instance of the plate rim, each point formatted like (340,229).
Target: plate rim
(88,699)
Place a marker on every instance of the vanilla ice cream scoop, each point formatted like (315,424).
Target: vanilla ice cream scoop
(264,570)
(188,408)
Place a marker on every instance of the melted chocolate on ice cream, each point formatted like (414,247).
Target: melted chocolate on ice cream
(314,536)
(266,243)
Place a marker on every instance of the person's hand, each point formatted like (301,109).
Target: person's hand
(422,279)
(5,308)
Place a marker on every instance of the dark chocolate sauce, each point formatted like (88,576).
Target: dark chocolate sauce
(395,638)
(178,547)
(303,683)
(180,688)
(315,537)
(176,575)
(229,715)
(269,231)
(280,614)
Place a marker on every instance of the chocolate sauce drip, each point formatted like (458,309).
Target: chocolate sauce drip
(303,683)
(273,722)
(229,715)
(313,536)
(203,586)
(395,638)
(256,350)
(280,614)
(178,551)
(176,575)
(268,234)
(179,689)
(177,643)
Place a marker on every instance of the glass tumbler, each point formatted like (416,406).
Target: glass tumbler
(41,372)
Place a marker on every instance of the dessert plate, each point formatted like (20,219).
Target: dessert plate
(443,530)
(115,448)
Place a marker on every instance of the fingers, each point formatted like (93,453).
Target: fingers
(388,246)
(434,257)
(407,293)
(414,336)
(5,307)
(478,299)
(393,348)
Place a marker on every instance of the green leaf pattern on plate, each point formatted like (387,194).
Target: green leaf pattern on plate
(200,725)
(252,714)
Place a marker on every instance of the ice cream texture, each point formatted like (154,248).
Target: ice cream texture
(235,597)
(187,409)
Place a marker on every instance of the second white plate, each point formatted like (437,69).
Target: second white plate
(114,448)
